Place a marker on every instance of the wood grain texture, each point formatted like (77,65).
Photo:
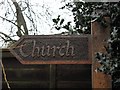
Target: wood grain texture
(100,36)
(38,76)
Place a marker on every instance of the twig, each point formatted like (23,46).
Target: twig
(5,77)
(11,22)
(10,39)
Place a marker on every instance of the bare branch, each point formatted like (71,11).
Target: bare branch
(10,22)
(7,38)
(11,7)
(20,19)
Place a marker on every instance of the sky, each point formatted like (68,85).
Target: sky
(45,26)
(53,6)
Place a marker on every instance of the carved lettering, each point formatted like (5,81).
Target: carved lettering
(42,50)
(48,50)
(35,50)
(60,51)
(54,51)
(68,47)
(21,51)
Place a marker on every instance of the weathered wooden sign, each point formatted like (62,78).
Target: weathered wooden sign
(53,49)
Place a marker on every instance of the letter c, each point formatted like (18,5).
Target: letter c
(60,51)
(21,51)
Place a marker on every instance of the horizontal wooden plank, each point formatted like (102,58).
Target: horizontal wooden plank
(6,53)
(41,72)
(13,63)
(73,67)
(26,84)
(45,49)
(37,76)
(45,84)
(74,84)
(74,72)
(26,69)
(27,75)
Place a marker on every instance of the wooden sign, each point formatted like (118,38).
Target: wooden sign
(53,49)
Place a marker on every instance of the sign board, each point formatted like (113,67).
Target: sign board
(53,49)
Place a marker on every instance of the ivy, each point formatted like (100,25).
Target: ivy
(83,13)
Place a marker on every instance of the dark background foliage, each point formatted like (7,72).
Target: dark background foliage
(83,14)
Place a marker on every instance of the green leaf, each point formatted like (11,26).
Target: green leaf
(61,22)
(58,28)
(74,9)
(66,27)
(55,21)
